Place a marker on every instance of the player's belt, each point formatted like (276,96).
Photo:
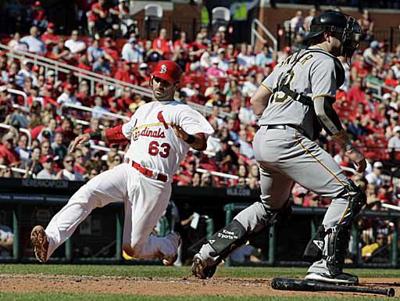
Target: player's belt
(276,126)
(282,127)
(147,172)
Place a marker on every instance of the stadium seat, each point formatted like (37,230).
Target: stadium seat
(153,16)
(220,17)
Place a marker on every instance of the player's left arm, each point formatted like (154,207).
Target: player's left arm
(197,141)
(324,80)
(192,128)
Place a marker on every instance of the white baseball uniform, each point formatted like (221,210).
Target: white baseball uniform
(143,182)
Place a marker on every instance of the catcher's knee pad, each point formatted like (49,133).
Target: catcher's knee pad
(356,198)
(227,239)
(315,246)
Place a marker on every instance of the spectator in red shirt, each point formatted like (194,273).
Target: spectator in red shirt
(124,73)
(39,16)
(83,94)
(391,80)
(181,43)
(48,37)
(97,17)
(7,150)
(110,49)
(162,44)
(198,47)
(125,100)
(84,63)
(66,128)
(356,93)
(143,76)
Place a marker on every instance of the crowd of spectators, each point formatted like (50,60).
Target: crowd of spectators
(218,75)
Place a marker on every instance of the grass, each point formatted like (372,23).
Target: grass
(160,272)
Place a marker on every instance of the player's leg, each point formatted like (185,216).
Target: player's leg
(107,187)
(275,188)
(318,172)
(147,202)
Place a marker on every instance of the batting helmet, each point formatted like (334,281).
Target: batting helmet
(167,70)
(344,28)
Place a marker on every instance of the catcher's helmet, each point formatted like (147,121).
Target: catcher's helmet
(343,27)
(167,70)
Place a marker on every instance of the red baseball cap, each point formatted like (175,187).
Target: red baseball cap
(46,158)
(167,70)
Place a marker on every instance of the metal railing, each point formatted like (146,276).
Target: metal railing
(256,26)
(23,130)
(92,77)
(218,174)
(87,109)
(13,169)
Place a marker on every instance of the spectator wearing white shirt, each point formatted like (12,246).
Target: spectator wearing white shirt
(394,141)
(68,96)
(246,58)
(133,52)
(223,63)
(375,176)
(75,45)
(98,110)
(68,172)
(309,18)
(16,44)
(25,72)
(296,23)
(264,58)
(245,147)
(47,173)
(249,86)
(35,44)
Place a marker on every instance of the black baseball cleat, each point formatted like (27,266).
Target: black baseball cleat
(200,268)
(343,278)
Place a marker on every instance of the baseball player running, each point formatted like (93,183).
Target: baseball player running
(291,103)
(160,134)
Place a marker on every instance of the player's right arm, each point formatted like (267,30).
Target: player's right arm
(260,99)
(117,134)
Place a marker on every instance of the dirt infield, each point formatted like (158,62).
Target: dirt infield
(161,286)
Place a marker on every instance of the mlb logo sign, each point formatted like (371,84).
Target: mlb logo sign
(163,68)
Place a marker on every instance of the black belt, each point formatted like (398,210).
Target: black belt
(283,127)
(276,126)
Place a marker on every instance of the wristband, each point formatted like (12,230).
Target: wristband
(190,139)
(95,135)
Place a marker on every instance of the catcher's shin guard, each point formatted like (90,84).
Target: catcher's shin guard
(227,239)
(337,237)
(217,248)
(315,246)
